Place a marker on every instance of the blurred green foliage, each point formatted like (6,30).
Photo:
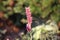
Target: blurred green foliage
(39,8)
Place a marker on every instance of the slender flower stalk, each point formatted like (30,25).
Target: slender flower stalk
(29,18)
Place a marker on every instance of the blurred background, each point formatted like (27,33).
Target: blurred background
(41,10)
